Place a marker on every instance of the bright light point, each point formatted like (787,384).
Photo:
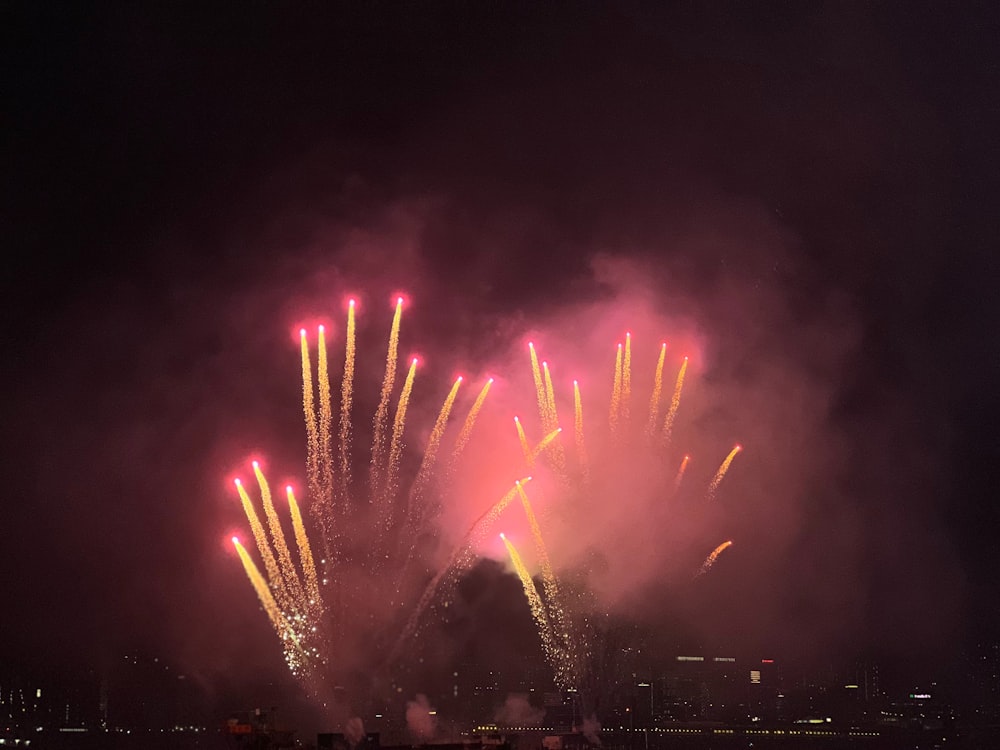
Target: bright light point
(237,482)
(576,382)
(739,447)
(517,482)
(414,361)
(458,379)
(321,329)
(490,380)
(351,302)
(558,429)
(664,345)
(502,535)
(687,458)
(302,332)
(628,334)
(399,300)
(685,359)
(288,489)
(236,540)
(619,346)
(516,419)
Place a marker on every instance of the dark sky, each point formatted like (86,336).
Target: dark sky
(813,186)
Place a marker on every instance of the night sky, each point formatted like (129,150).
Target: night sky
(807,191)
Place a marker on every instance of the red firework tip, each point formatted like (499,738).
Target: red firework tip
(619,345)
(739,447)
(302,332)
(576,382)
(687,458)
(685,359)
(255,464)
(664,345)
(458,379)
(490,380)
(545,364)
(531,345)
(399,300)
(321,328)
(288,489)
(628,334)
(350,302)
(237,482)
(502,535)
(236,540)
(414,361)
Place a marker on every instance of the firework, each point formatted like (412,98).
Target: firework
(710,560)
(721,472)
(675,403)
(654,398)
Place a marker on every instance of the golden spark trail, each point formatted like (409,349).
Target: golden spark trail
(544,443)
(463,436)
(680,473)
(525,448)
(549,644)
(717,479)
(536,375)
(431,451)
(616,392)
(292,585)
(461,559)
(627,379)
(346,402)
(382,412)
(263,592)
(710,560)
(654,399)
(270,564)
(675,403)
(549,583)
(396,444)
(556,454)
(305,552)
(581,446)
(323,500)
(312,431)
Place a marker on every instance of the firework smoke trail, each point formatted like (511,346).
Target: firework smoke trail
(654,399)
(292,585)
(616,393)
(523,439)
(680,473)
(382,412)
(717,479)
(270,564)
(305,554)
(396,444)
(470,421)
(312,431)
(346,402)
(550,645)
(710,560)
(675,403)
(581,446)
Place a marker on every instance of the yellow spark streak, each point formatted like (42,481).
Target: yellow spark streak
(461,559)
(556,454)
(675,402)
(544,443)
(549,644)
(346,401)
(305,552)
(434,442)
(549,582)
(536,375)
(382,413)
(325,426)
(581,446)
(263,592)
(717,479)
(270,564)
(654,399)
(710,560)
(525,448)
(616,392)
(627,379)
(312,433)
(680,473)
(396,444)
(470,421)
(292,585)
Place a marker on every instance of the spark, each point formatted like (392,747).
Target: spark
(525,447)
(675,403)
(616,393)
(654,399)
(382,412)
(717,479)
(710,560)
